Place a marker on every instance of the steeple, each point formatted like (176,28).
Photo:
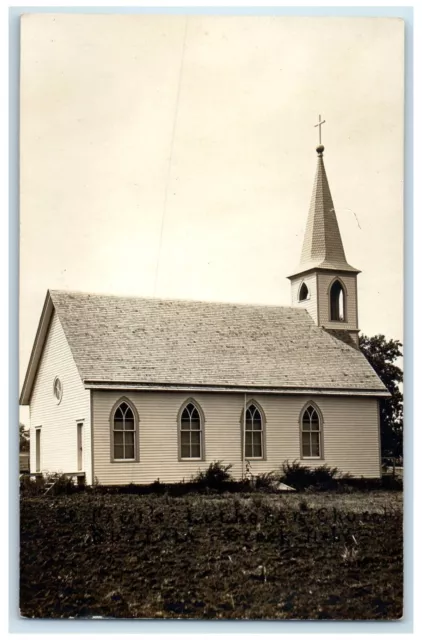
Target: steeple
(324,283)
(322,245)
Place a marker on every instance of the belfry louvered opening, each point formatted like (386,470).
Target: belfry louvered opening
(303,292)
(337,302)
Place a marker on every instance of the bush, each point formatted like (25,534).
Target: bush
(392,482)
(216,477)
(326,474)
(302,477)
(62,484)
(296,475)
(158,487)
(265,481)
(31,486)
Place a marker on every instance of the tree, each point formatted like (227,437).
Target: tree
(23,438)
(381,355)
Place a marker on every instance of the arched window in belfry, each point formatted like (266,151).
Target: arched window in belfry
(303,292)
(337,302)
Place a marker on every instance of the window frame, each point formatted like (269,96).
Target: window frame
(344,289)
(201,414)
(58,398)
(308,295)
(131,405)
(263,432)
(312,405)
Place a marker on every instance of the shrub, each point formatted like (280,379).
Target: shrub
(296,475)
(265,481)
(392,482)
(216,477)
(158,487)
(302,477)
(30,486)
(62,484)
(325,474)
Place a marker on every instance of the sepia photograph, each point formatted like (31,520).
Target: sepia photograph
(211,317)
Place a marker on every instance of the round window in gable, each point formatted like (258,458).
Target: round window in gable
(58,390)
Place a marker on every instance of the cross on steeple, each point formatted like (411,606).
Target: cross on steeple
(319,124)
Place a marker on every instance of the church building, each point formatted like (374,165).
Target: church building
(128,389)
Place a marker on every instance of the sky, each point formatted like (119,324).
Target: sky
(174,156)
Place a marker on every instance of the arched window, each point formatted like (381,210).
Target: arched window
(254,445)
(124,433)
(303,292)
(337,299)
(311,433)
(191,430)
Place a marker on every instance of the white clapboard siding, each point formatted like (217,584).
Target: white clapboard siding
(311,304)
(350,282)
(58,422)
(350,434)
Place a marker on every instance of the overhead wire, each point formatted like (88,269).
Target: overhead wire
(176,110)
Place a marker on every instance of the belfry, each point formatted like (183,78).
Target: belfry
(324,283)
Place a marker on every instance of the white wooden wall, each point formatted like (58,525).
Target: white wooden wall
(350,432)
(58,422)
(311,305)
(350,282)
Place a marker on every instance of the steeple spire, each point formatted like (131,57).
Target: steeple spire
(324,283)
(322,245)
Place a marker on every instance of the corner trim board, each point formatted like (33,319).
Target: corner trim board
(91,405)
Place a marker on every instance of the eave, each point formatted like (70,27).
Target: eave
(140,386)
(37,350)
(321,269)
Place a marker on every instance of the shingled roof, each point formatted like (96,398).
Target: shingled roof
(148,342)
(322,246)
